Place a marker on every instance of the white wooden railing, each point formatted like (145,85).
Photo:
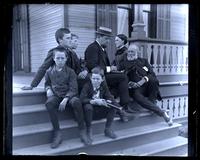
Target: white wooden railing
(177,106)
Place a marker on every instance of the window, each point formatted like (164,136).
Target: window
(163,22)
(125,14)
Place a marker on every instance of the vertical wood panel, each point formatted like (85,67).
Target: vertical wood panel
(44,20)
(81,21)
(178,23)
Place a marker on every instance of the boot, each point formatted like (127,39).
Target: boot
(84,137)
(167,118)
(89,134)
(57,139)
(123,116)
(109,133)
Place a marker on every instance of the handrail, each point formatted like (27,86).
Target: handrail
(181,83)
(152,40)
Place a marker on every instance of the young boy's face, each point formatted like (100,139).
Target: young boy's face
(96,80)
(74,42)
(60,58)
(66,40)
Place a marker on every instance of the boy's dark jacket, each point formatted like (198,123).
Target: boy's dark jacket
(72,62)
(88,92)
(64,84)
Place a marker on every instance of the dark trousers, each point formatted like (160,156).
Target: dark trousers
(152,90)
(52,105)
(145,96)
(119,81)
(92,110)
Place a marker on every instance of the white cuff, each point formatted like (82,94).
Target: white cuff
(146,78)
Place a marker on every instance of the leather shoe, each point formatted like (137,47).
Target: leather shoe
(89,134)
(57,140)
(84,137)
(167,118)
(109,133)
(122,115)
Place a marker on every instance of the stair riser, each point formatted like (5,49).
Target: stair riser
(173,90)
(106,148)
(32,118)
(178,151)
(42,138)
(29,99)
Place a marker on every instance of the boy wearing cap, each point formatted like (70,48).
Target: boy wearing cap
(143,83)
(62,90)
(96,55)
(93,96)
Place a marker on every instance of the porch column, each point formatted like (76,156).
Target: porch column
(138,24)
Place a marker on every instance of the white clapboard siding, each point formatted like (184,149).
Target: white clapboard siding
(81,21)
(178,22)
(44,20)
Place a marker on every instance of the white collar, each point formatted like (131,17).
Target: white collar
(120,47)
(100,45)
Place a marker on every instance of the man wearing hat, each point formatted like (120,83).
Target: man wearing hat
(96,55)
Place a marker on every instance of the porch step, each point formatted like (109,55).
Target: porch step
(32,129)
(29,135)
(175,146)
(34,114)
(128,137)
(29,97)
(38,95)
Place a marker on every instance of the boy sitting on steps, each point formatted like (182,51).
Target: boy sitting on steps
(61,87)
(94,97)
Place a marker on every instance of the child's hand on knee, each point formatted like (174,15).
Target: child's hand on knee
(63,104)
(49,93)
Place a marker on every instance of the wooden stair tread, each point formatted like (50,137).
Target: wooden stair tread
(155,147)
(98,139)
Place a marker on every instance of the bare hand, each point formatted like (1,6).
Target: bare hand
(100,102)
(83,74)
(141,82)
(27,88)
(131,84)
(136,85)
(63,104)
(49,93)
(113,68)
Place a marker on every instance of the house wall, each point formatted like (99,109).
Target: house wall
(44,20)
(179,22)
(80,19)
